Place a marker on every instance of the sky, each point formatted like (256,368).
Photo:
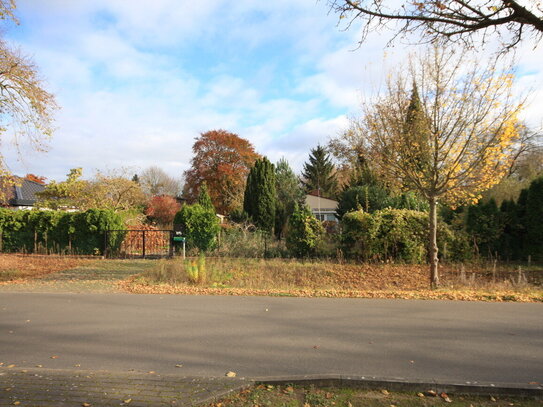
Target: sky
(138,81)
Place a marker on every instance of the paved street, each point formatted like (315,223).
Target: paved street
(261,336)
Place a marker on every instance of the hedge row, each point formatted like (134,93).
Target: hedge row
(58,232)
(398,235)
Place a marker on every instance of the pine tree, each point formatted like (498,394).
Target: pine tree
(318,173)
(260,197)
(204,199)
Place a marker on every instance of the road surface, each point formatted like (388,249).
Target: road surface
(265,336)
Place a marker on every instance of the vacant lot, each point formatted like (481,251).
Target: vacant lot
(19,267)
(280,277)
(66,274)
(293,396)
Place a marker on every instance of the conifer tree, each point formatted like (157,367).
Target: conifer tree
(204,199)
(260,197)
(318,173)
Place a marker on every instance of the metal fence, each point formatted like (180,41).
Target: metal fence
(138,243)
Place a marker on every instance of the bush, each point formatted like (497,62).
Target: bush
(304,232)
(199,225)
(396,235)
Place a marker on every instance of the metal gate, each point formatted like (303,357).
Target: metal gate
(138,243)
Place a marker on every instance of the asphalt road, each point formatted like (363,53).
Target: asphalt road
(261,336)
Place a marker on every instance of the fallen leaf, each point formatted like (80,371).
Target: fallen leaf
(39,365)
(315,346)
(151,372)
(288,389)
(328,395)
(420,395)
(77,365)
(528,383)
(231,374)
(127,401)
(432,393)
(16,403)
(54,357)
(385,392)
(492,398)
(10,366)
(349,404)
(179,365)
(86,405)
(8,389)
(307,405)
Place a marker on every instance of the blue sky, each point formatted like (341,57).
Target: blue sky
(137,81)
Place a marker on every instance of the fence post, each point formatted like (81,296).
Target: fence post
(170,251)
(105,243)
(144,244)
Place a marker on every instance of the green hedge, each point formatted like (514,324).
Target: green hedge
(58,231)
(398,235)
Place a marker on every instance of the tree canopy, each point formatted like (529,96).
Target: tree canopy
(26,108)
(223,160)
(467,21)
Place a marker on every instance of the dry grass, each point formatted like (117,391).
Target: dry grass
(299,396)
(279,277)
(17,267)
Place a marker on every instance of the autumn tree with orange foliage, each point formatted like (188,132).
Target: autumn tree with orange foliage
(162,209)
(448,129)
(223,160)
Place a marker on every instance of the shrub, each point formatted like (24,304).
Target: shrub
(396,234)
(199,225)
(304,232)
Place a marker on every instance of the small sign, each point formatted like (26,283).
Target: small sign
(178,239)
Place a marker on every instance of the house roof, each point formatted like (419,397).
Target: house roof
(22,192)
(321,204)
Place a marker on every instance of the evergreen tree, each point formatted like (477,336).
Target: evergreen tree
(204,199)
(417,132)
(288,192)
(318,173)
(534,220)
(484,223)
(260,196)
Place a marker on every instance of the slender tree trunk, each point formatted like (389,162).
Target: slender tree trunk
(432,246)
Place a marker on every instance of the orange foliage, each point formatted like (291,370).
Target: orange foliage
(35,178)
(223,160)
(163,208)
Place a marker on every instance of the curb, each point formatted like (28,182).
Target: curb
(532,391)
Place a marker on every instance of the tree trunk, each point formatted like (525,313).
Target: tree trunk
(432,246)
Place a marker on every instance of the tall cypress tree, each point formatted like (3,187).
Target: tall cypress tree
(260,196)
(318,174)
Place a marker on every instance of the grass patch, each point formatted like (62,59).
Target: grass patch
(284,277)
(295,396)
(15,267)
